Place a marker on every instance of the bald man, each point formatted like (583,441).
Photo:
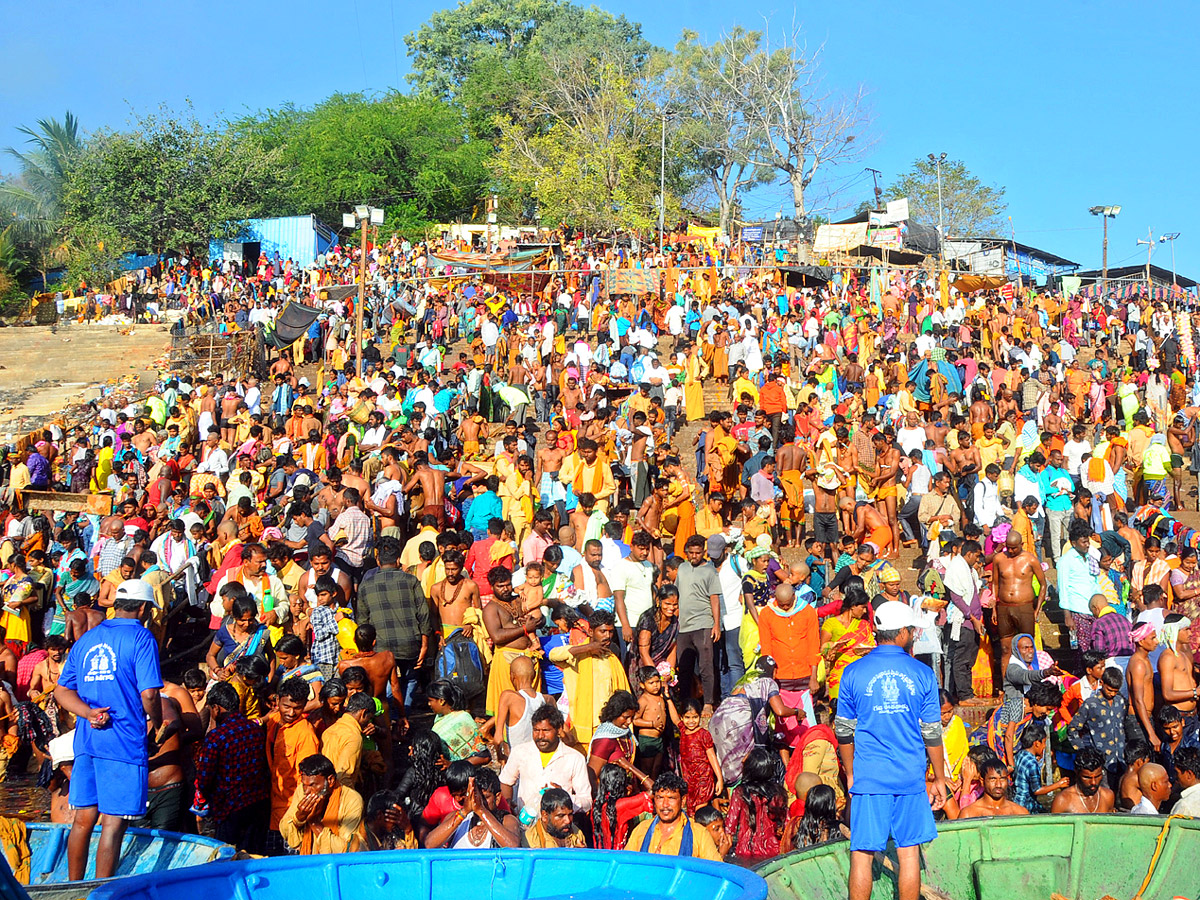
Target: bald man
(515,708)
(1013,574)
(1155,785)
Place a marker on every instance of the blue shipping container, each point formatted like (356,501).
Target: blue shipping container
(300,238)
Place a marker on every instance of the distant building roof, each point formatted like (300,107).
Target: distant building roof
(1050,259)
(1157,274)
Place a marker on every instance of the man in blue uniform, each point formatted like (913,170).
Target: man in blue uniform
(111,682)
(888,723)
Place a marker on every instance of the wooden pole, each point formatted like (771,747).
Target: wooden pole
(362,293)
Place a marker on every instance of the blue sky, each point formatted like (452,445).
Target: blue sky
(1067,104)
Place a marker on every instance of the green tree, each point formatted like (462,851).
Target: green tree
(472,37)
(386,151)
(970,208)
(711,116)
(33,200)
(597,163)
(168,184)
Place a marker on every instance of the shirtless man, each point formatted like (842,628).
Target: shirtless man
(578,520)
(431,483)
(168,797)
(791,462)
(825,510)
(1179,439)
(518,704)
(473,432)
(847,460)
(108,587)
(83,618)
(229,409)
(454,595)
(639,472)
(981,410)
(44,679)
(321,563)
(1013,572)
(1178,684)
(588,577)
(649,516)
(547,465)
(1139,676)
(571,397)
(887,472)
(1089,794)
(144,440)
(388,514)
(867,525)
(380,665)
(965,464)
(353,478)
(994,801)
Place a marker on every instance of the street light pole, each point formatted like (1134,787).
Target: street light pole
(1171,237)
(364,216)
(937,161)
(1149,242)
(662,184)
(1106,212)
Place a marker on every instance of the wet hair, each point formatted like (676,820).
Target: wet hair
(194,678)
(708,814)
(1044,693)
(424,775)
(317,765)
(294,689)
(224,695)
(820,819)
(617,705)
(334,687)
(993,765)
(555,799)
(291,645)
(355,675)
(671,781)
(611,786)
(448,692)
(762,778)
(1088,759)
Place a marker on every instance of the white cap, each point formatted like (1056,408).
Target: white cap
(62,749)
(136,589)
(892,615)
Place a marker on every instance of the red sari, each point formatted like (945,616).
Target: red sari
(695,768)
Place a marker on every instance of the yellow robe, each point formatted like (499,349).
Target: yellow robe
(588,682)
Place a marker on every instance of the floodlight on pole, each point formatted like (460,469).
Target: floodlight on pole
(937,161)
(364,216)
(1170,236)
(1108,212)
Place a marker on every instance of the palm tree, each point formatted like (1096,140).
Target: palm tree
(33,202)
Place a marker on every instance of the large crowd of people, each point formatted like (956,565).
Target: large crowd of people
(717,571)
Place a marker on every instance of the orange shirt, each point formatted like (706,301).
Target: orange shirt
(1024,527)
(287,745)
(794,641)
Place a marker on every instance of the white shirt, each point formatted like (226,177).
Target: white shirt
(987,503)
(636,579)
(1144,808)
(1074,451)
(1188,803)
(489,333)
(567,768)
(217,463)
(911,439)
(731,595)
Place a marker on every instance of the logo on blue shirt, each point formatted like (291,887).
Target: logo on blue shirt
(100,664)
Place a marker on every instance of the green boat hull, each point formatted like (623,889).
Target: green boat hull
(1018,858)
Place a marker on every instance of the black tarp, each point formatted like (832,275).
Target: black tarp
(921,238)
(291,324)
(806,276)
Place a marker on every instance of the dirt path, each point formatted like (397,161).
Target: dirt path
(42,372)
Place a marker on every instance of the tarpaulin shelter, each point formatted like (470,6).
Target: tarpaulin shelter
(291,324)
(919,375)
(969,284)
(518,269)
(806,276)
(632,281)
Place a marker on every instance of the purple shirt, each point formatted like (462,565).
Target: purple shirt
(39,470)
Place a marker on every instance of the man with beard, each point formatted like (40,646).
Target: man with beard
(546,762)
(592,673)
(590,581)
(994,801)
(554,827)
(671,832)
(1013,573)
(456,598)
(888,723)
(1089,793)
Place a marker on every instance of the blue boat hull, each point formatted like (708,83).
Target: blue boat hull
(452,875)
(144,850)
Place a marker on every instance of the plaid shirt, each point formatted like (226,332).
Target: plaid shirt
(231,766)
(1110,635)
(355,526)
(324,651)
(1027,778)
(111,554)
(392,600)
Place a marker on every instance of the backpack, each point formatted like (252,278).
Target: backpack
(459,663)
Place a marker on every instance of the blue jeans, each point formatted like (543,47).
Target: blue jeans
(407,671)
(730,665)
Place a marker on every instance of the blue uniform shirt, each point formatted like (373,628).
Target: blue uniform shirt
(110,666)
(889,694)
